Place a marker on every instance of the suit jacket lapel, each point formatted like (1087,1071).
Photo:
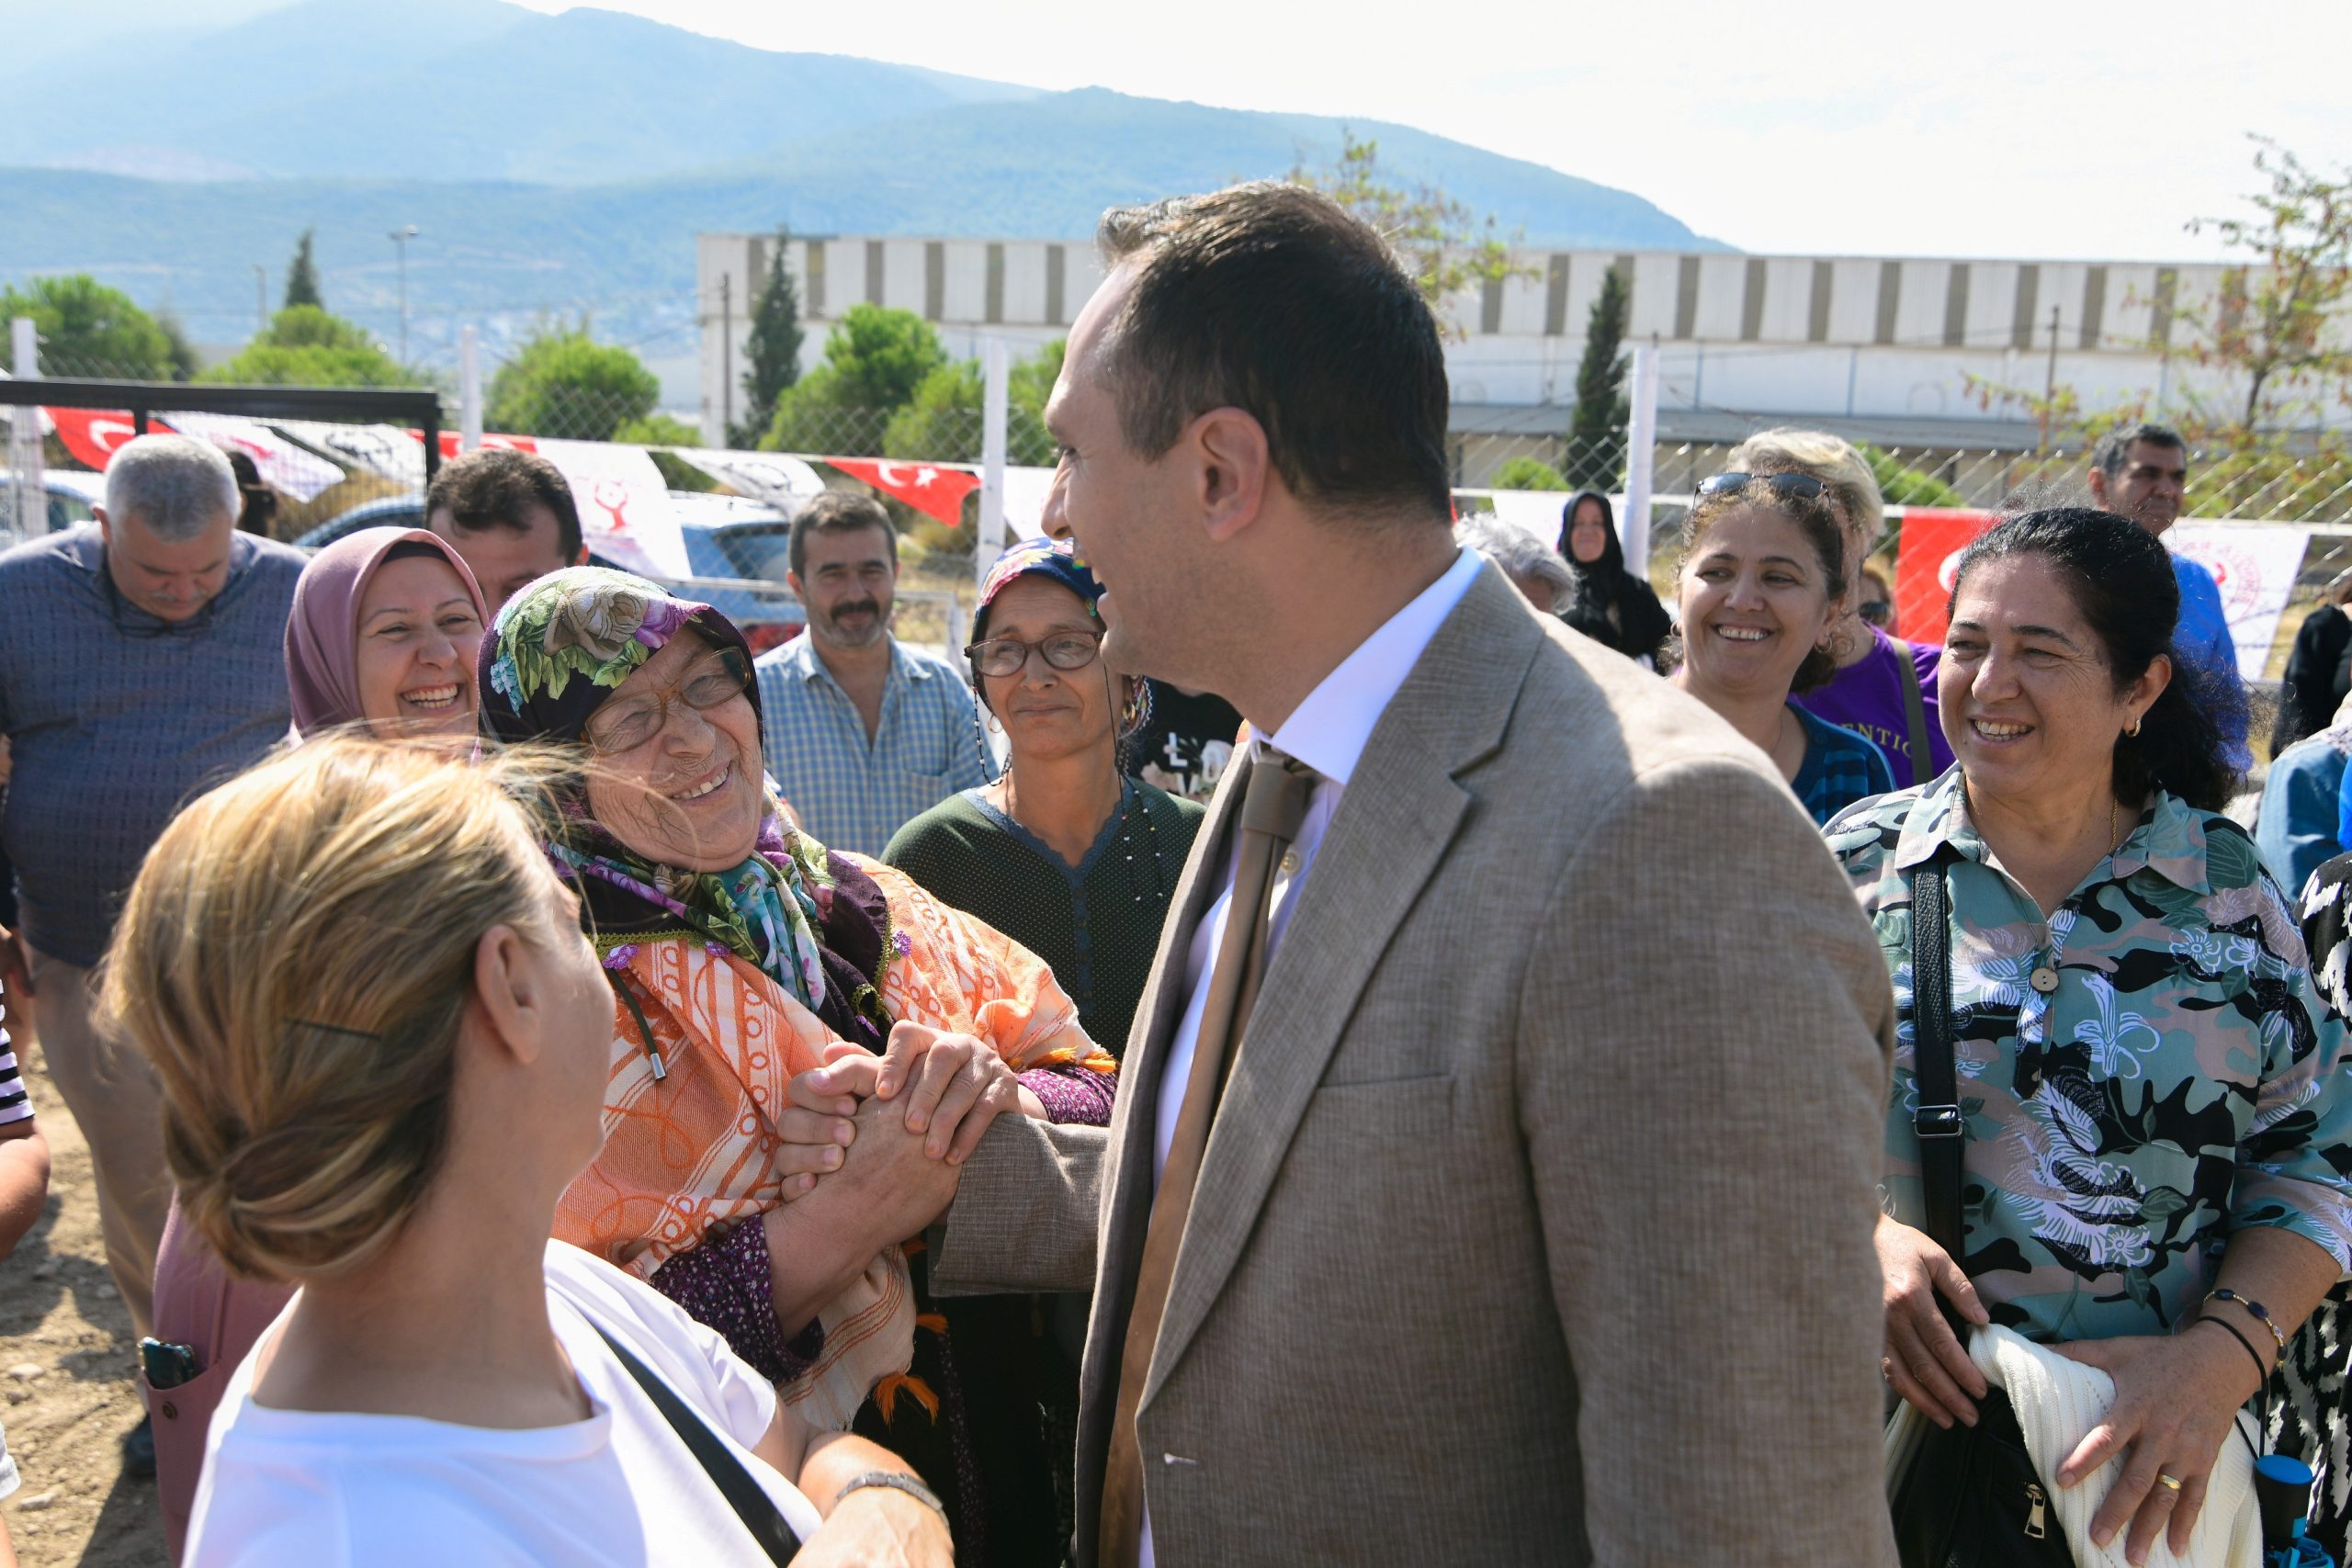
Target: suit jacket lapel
(1135,1118)
(1400,811)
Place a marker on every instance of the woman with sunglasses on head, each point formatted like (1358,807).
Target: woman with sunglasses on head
(1761,587)
(757,1167)
(1075,862)
(1881,687)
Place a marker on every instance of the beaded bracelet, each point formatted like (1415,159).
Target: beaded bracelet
(2260,1370)
(2255,1307)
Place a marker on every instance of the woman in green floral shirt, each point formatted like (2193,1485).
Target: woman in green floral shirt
(2151,1090)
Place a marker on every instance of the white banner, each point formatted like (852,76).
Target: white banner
(283,465)
(625,510)
(782,481)
(1024,502)
(385,450)
(2255,566)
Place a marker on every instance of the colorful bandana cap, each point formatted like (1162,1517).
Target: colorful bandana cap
(1056,558)
(559,648)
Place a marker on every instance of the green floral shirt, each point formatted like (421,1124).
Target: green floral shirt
(2181,1081)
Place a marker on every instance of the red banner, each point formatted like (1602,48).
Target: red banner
(1933,538)
(450,438)
(930,487)
(92,434)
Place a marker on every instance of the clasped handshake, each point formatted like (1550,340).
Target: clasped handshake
(899,1123)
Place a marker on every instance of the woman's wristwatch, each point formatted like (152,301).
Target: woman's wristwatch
(898,1481)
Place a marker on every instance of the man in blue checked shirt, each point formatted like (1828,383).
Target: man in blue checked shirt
(861,733)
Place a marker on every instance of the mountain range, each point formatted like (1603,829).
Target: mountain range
(563,164)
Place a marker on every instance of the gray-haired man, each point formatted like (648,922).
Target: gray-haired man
(142,659)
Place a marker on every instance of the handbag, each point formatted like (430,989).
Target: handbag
(1968,1497)
(749,1500)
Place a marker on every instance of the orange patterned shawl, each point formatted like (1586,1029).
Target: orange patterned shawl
(694,1152)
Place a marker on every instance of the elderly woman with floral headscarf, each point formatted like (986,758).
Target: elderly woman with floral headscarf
(743,954)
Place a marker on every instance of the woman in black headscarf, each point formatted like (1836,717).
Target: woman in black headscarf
(1608,604)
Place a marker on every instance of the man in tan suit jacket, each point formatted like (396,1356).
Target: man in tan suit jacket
(1535,1224)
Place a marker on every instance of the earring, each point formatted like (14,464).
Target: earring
(2131,731)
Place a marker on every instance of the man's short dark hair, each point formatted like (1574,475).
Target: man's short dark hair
(2115,447)
(839,512)
(1274,299)
(497,487)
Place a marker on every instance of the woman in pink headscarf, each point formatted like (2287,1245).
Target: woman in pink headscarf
(384,630)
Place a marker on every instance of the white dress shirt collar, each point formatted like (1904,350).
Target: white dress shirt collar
(1329,729)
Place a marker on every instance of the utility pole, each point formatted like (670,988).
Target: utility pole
(2049,382)
(400,237)
(261,296)
(725,355)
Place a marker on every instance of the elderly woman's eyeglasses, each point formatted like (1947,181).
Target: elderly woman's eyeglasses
(1795,487)
(1002,656)
(624,724)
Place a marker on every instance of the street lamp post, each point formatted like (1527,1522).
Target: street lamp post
(261,295)
(400,237)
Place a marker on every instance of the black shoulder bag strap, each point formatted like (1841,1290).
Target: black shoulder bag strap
(746,1496)
(1942,1129)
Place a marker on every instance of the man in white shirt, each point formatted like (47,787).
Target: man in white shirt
(1514,1203)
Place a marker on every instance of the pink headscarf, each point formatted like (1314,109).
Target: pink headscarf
(323,632)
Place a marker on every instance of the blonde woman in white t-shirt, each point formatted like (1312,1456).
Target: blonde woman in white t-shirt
(382,1042)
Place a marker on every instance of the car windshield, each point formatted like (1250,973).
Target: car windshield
(760,551)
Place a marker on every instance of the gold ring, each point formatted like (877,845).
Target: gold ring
(2166,1482)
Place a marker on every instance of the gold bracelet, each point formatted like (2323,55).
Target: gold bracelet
(2260,1314)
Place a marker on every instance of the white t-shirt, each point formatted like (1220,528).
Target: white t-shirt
(619,1488)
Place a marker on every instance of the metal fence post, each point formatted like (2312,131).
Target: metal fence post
(994,412)
(29,487)
(1641,456)
(469,390)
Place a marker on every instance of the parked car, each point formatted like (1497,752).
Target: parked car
(730,541)
(72,495)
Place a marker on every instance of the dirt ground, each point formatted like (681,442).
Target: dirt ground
(67,1394)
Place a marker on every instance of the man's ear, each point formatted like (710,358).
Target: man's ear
(2098,487)
(105,529)
(1228,448)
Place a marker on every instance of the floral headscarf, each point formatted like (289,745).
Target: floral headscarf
(559,650)
(1056,560)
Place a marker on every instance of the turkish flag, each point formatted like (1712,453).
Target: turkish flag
(92,434)
(934,489)
(450,439)
(1933,538)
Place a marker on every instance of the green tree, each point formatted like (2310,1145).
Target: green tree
(562,382)
(303,275)
(1904,486)
(89,330)
(657,430)
(1596,454)
(943,421)
(875,360)
(773,348)
(305,346)
(1528,473)
(1449,247)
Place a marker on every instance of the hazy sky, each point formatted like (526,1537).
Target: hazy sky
(2024,127)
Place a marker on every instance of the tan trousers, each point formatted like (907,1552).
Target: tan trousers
(110,1088)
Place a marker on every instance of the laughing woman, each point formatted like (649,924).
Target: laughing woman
(384,630)
(2155,1133)
(1762,586)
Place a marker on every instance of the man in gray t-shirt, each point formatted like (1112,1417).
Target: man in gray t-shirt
(141,660)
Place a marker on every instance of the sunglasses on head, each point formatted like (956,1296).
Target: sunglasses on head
(1796,487)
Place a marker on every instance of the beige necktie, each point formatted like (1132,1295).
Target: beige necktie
(1273,805)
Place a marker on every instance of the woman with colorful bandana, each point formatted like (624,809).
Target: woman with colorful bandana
(742,955)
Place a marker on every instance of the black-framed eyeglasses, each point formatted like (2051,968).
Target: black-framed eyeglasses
(1795,487)
(624,724)
(1002,656)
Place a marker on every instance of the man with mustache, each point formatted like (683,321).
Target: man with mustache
(863,733)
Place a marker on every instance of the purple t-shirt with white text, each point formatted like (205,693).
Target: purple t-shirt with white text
(1867,697)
